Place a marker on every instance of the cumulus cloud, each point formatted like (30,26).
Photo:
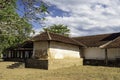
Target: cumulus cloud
(87,16)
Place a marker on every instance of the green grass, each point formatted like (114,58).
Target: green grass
(71,73)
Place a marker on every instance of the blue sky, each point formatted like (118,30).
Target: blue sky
(83,17)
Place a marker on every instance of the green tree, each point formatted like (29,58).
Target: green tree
(32,8)
(58,29)
(13,28)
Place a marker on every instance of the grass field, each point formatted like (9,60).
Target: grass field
(71,73)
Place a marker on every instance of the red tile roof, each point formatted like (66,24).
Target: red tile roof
(113,44)
(97,40)
(55,37)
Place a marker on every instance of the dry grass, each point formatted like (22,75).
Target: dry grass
(71,73)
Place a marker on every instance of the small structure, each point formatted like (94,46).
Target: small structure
(101,49)
(53,51)
(20,52)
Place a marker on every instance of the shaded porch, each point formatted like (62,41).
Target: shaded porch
(20,53)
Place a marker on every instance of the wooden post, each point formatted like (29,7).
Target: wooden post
(106,57)
(81,52)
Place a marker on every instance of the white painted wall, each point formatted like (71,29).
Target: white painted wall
(62,51)
(99,54)
(94,53)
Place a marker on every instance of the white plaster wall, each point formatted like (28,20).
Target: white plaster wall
(113,53)
(94,53)
(62,51)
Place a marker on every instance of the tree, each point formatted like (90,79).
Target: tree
(59,29)
(33,8)
(13,28)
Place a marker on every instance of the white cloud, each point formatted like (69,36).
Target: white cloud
(88,16)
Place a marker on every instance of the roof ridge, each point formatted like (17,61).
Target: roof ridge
(78,42)
(96,35)
(59,34)
(50,38)
(104,45)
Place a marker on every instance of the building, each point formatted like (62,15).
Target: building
(53,51)
(19,52)
(101,49)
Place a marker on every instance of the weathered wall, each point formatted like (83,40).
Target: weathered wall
(40,50)
(94,53)
(63,51)
(59,55)
(113,53)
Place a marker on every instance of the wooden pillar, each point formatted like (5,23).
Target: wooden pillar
(13,53)
(17,54)
(106,57)
(9,55)
(30,54)
(21,55)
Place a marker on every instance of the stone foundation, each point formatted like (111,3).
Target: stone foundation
(34,63)
(52,63)
(94,62)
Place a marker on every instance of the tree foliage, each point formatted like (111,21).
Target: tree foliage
(58,29)
(13,28)
(34,9)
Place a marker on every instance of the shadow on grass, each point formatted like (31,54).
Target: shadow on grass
(16,65)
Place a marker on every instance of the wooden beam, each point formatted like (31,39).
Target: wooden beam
(24,49)
(48,53)
(106,57)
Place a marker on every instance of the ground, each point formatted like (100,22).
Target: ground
(71,73)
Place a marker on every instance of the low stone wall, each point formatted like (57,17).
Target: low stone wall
(62,63)
(34,63)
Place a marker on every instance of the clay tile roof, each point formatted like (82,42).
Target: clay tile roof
(113,44)
(97,40)
(55,37)
(43,36)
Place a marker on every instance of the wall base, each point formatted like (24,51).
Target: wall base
(94,62)
(34,63)
(52,63)
(62,63)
